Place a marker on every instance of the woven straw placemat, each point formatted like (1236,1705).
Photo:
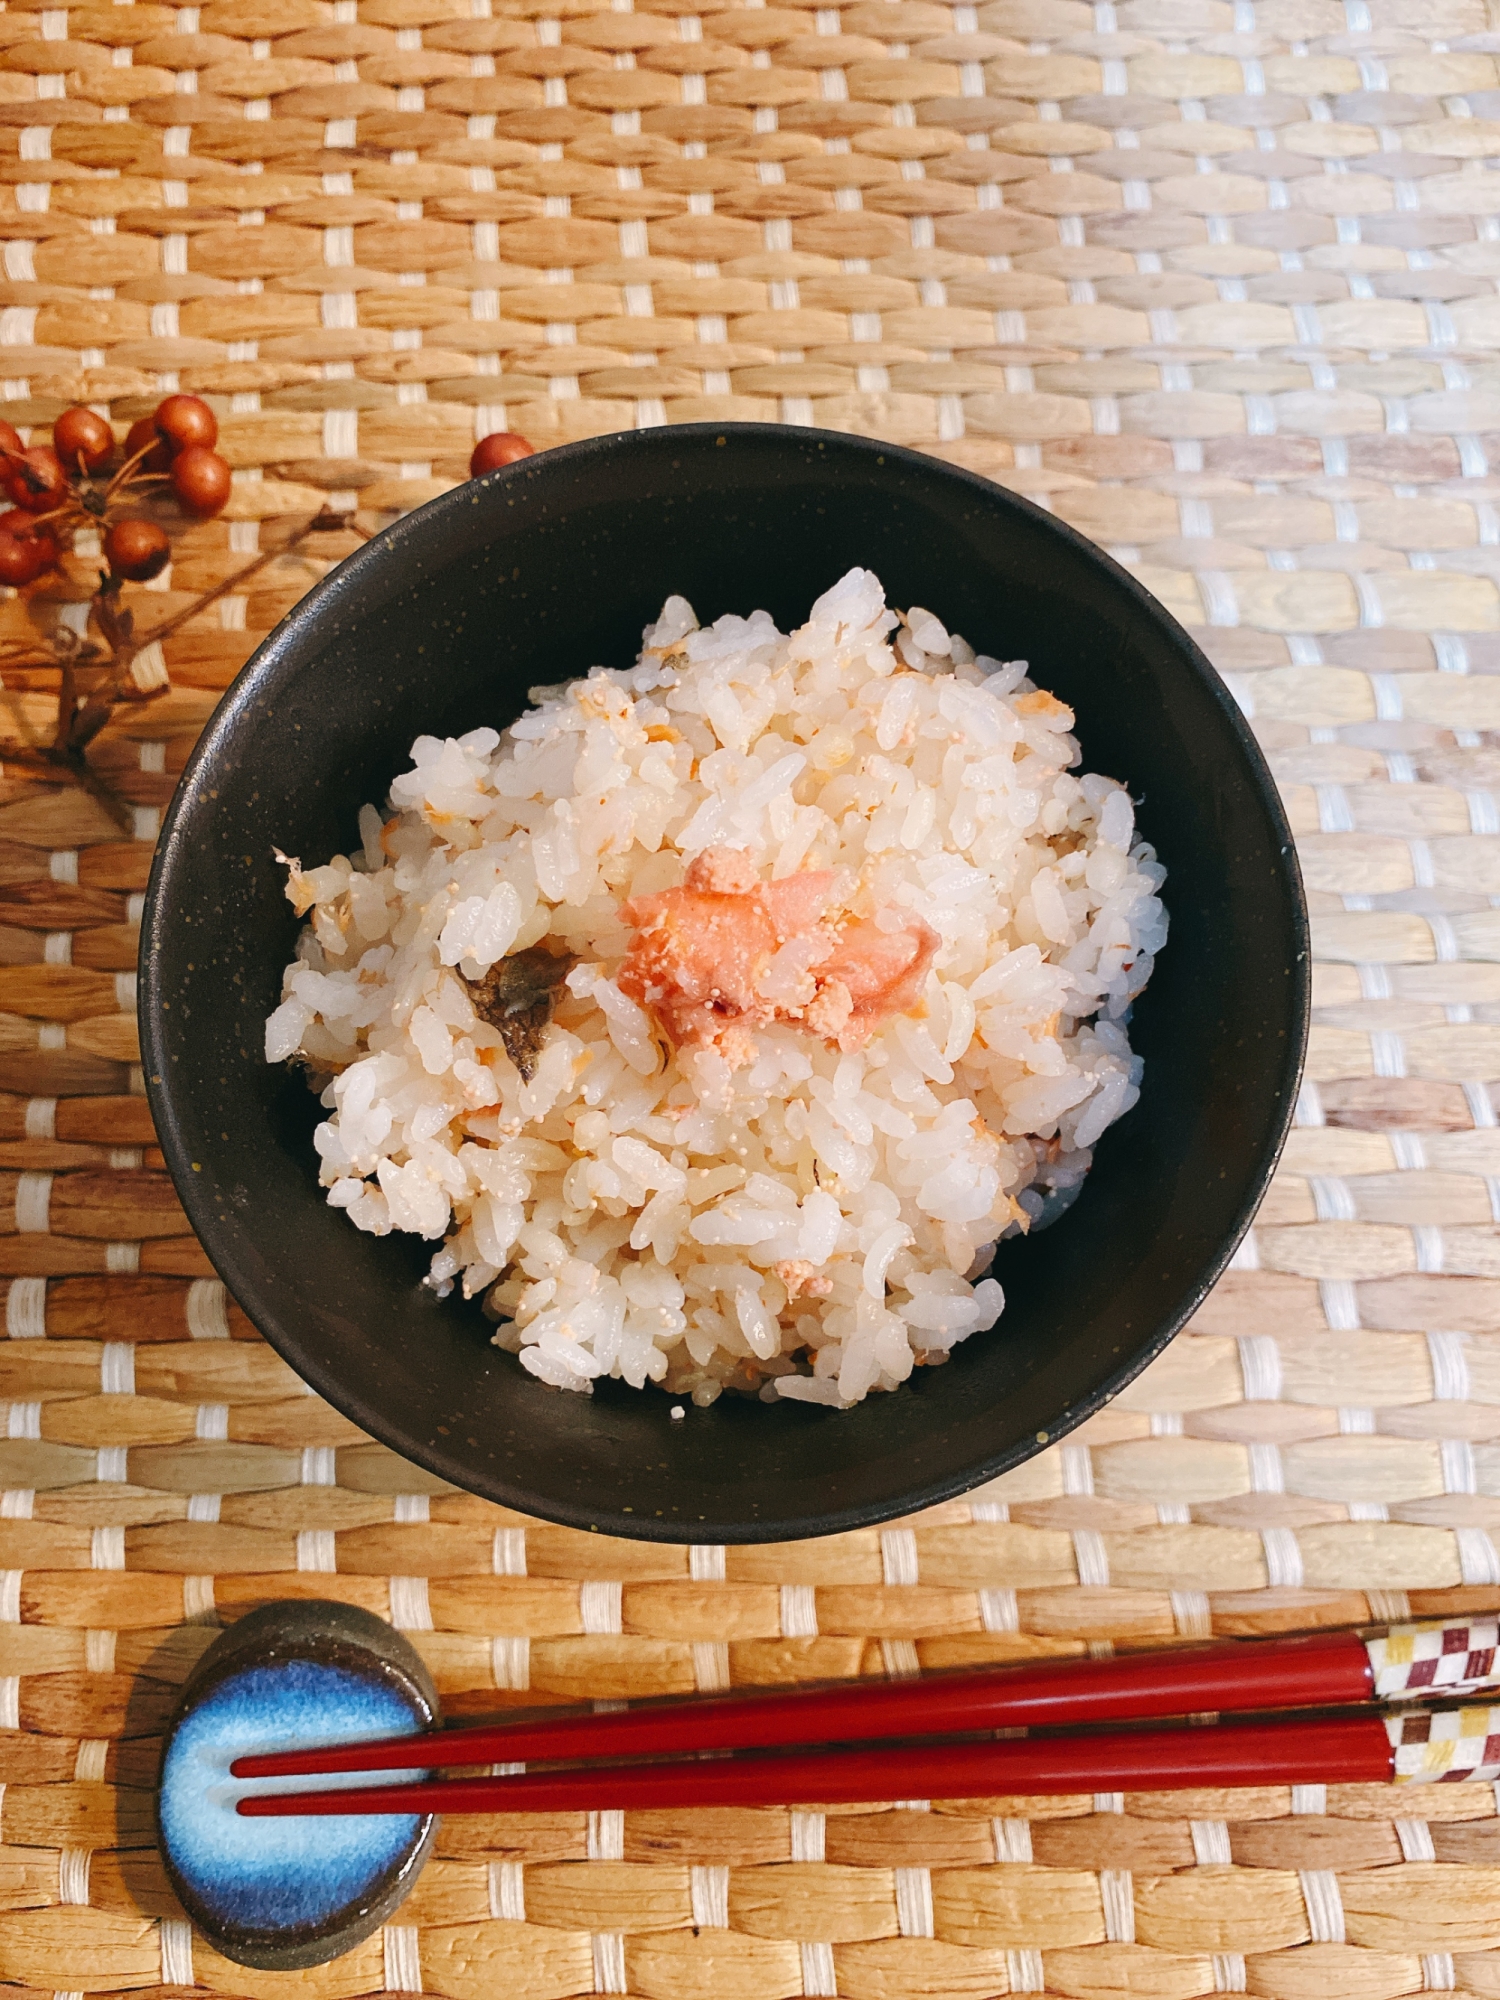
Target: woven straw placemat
(1217,284)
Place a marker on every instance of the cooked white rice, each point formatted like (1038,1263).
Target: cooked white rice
(809,1222)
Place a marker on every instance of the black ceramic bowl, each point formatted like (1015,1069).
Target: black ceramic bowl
(533,575)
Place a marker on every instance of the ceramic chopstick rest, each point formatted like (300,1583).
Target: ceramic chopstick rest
(280,1895)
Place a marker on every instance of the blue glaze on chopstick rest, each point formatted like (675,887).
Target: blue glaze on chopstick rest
(274,1874)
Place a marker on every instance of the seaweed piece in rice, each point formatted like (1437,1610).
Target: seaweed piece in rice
(517,996)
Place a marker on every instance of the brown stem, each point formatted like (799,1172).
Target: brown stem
(68,511)
(128,468)
(67,702)
(320,523)
(118,808)
(91,718)
(89,655)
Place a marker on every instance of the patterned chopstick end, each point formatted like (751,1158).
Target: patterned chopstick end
(1411,1660)
(1444,1745)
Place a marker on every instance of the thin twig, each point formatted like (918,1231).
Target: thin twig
(67,702)
(69,510)
(89,655)
(119,809)
(322,523)
(122,477)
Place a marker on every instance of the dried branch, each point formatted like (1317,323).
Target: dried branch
(321,523)
(95,668)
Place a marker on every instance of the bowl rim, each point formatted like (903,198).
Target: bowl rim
(345,578)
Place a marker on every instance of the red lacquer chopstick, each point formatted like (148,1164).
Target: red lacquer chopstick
(1367,1748)
(1329,1669)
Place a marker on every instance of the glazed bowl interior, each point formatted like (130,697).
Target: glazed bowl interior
(443,623)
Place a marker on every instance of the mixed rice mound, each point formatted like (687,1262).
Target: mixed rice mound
(717,1018)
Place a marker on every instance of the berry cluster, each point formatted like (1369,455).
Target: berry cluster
(59,488)
(84,480)
(55,489)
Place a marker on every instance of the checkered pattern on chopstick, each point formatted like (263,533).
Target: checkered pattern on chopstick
(1421,1659)
(1446,1745)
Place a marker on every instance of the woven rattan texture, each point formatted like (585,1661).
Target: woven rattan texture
(1217,284)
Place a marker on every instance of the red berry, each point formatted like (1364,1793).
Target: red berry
(201,480)
(184,420)
(137,550)
(26,551)
(11,449)
(16,563)
(142,434)
(82,439)
(499,448)
(36,480)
